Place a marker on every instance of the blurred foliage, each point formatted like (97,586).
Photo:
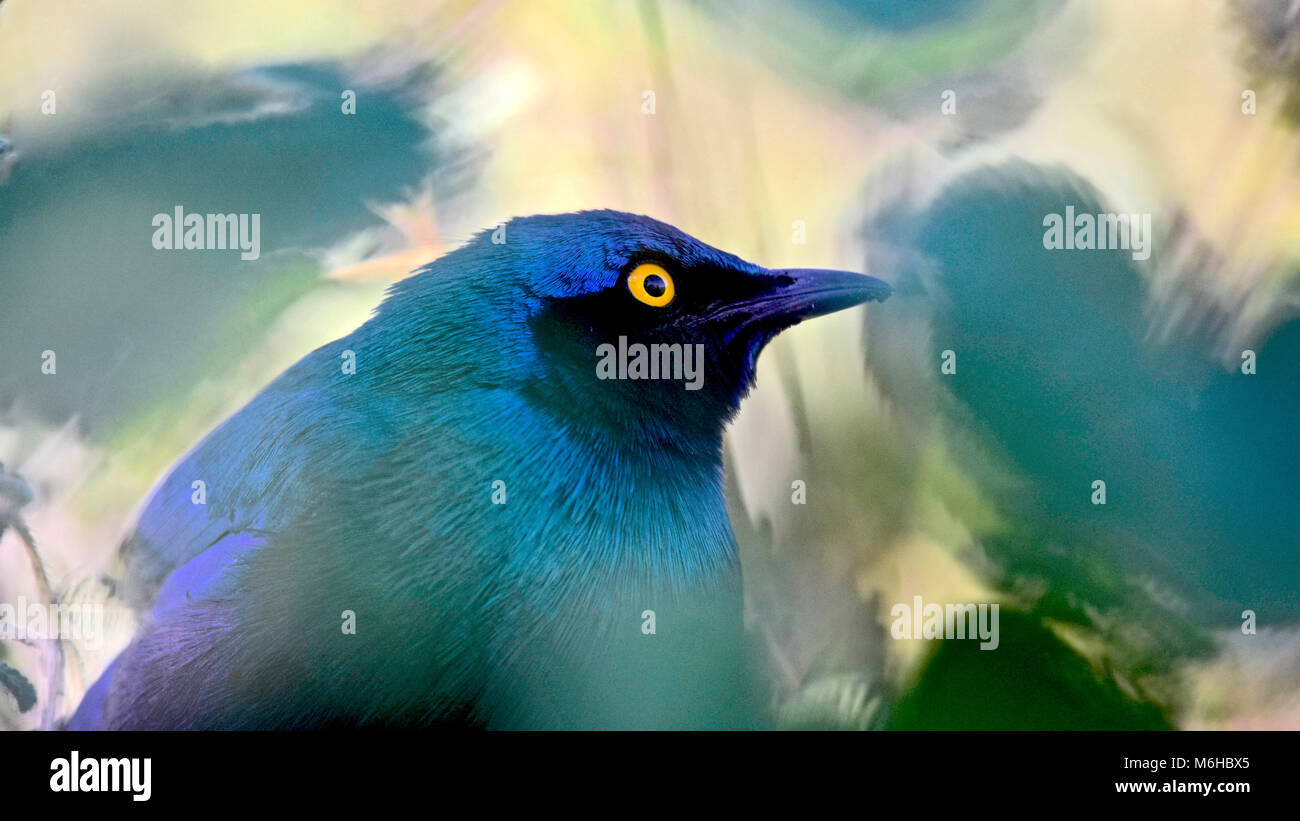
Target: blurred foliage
(1031,682)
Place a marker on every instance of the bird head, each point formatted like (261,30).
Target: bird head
(570,302)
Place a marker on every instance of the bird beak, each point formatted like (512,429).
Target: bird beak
(795,294)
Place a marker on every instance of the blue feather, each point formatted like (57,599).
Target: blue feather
(371,493)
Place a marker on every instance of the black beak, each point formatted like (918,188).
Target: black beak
(803,293)
(795,294)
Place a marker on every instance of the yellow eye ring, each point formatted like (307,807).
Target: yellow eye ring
(651,284)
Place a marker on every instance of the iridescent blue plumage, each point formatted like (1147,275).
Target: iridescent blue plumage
(375,493)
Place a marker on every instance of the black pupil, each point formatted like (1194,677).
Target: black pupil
(655,285)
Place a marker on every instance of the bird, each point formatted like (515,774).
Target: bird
(454,517)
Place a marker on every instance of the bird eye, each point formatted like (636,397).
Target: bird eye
(651,284)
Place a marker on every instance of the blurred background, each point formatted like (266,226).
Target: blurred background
(921,142)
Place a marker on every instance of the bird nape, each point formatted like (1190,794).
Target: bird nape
(499,502)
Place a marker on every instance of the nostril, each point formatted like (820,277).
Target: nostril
(784,280)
